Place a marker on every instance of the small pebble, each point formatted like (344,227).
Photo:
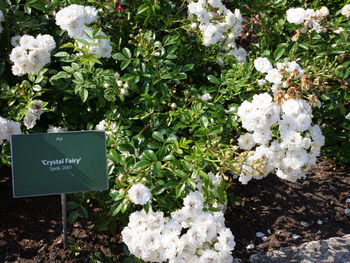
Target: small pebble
(259,234)
(264,238)
(269,231)
(320,222)
(318,232)
(347,200)
(347,211)
(251,246)
(295,236)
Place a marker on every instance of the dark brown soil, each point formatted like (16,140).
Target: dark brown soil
(30,228)
(291,208)
(30,231)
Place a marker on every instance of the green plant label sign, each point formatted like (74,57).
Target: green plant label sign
(55,163)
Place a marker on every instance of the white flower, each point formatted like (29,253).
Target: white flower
(194,25)
(339,29)
(139,194)
(188,236)
(274,76)
(226,240)
(37,108)
(291,140)
(124,91)
(39,57)
(316,135)
(206,97)
(8,128)
(26,41)
(296,15)
(194,201)
(323,12)
(246,141)
(195,8)
(29,120)
(261,82)
(240,54)
(212,35)
(32,54)
(262,136)
(53,129)
(47,42)
(292,66)
(101,125)
(15,40)
(18,55)
(345,11)
(262,65)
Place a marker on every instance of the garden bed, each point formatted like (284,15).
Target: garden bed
(31,227)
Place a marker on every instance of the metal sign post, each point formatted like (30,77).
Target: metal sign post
(64,220)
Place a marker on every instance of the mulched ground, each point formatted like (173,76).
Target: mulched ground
(291,208)
(30,228)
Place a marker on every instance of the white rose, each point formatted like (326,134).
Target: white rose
(296,15)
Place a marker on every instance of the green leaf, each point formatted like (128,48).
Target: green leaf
(68,69)
(187,67)
(171,56)
(279,53)
(60,75)
(119,56)
(149,155)
(114,156)
(110,94)
(158,136)
(126,52)
(73,216)
(142,164)
(125,64)
(115,209)
(79,76)
(40,7)
(72,205)
(37,87)
(124,208)
(126,148)
(84,93)
(205,121)
(61,54)
(179,189)
(142,8)
(214,79)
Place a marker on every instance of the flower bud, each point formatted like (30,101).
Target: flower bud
(124,91)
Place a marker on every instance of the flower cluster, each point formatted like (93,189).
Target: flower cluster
(35,109)
(139,194)
(2,19)
(293,146)
(345,11)
(189,235)
(218,25)
(283,70)
(31,54)
(7,128)
(74,18)
(53,129)
(310,18)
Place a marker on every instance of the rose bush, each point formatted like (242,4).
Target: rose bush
(174,84)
